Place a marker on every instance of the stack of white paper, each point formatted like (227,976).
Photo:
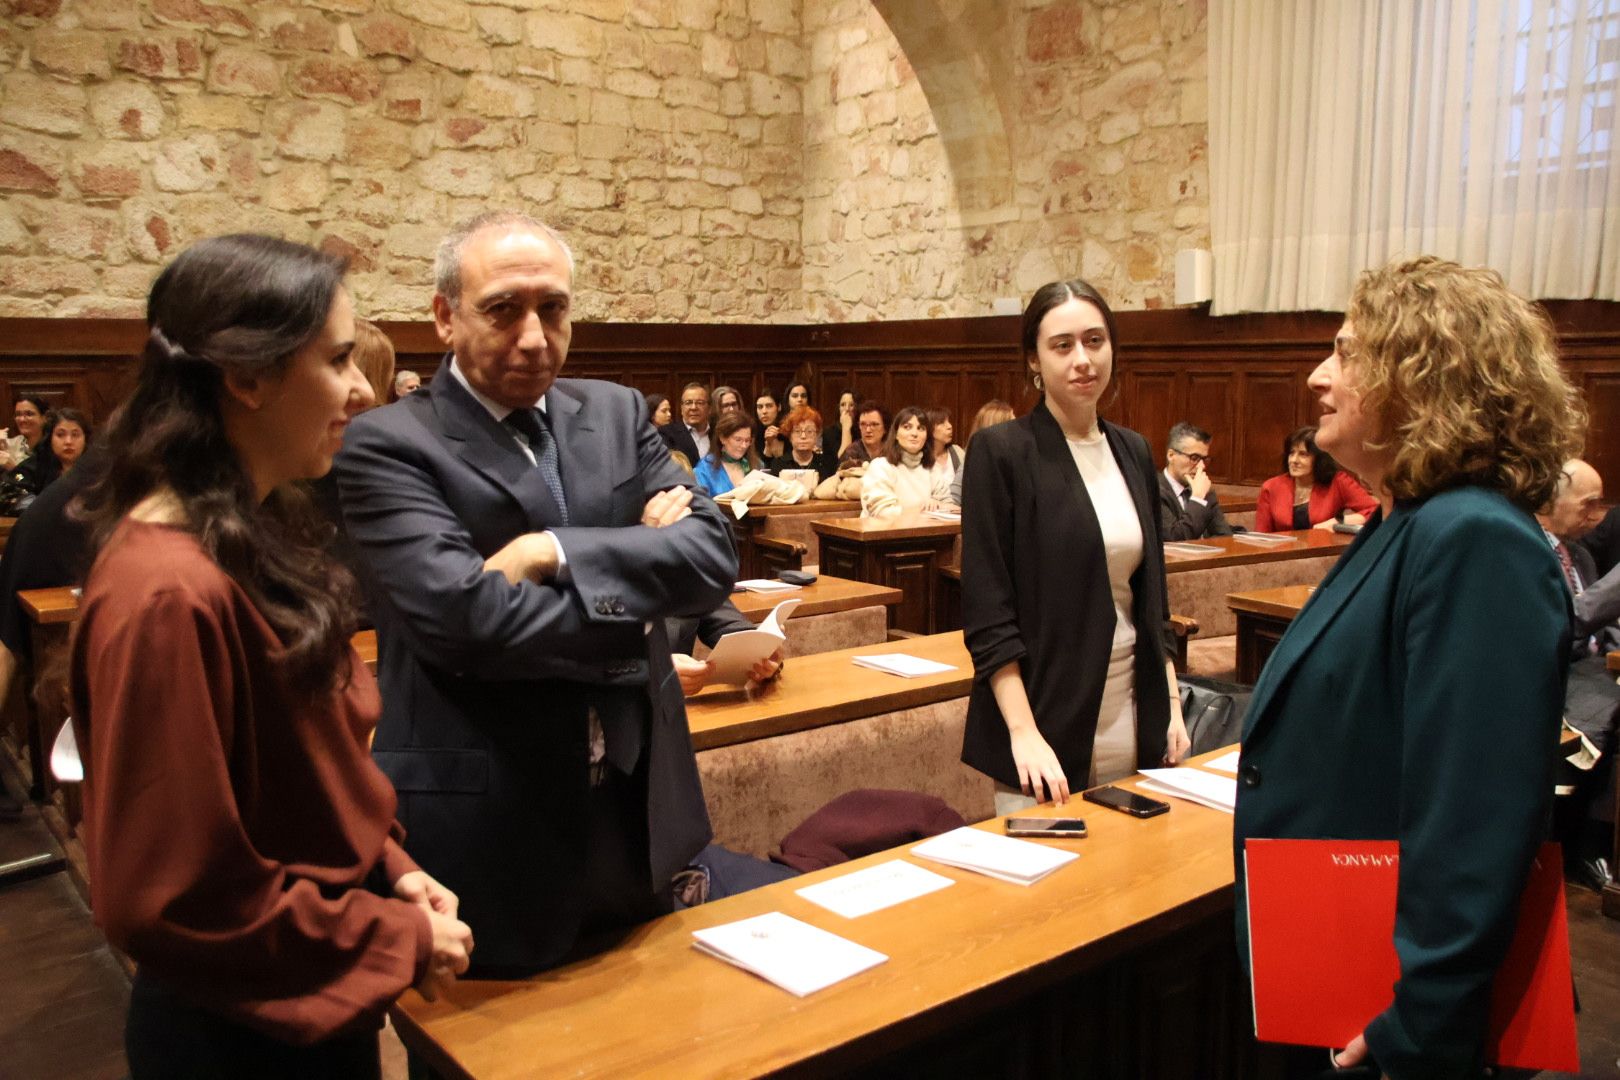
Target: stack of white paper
(1194,785)
(944,515)
(1226,763)
(1263,538)
(794,955)
(875,888)
(735,654)
(1179,547)
(904,665)
(1021,862)
(765,586)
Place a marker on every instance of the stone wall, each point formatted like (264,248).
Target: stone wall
(663,136)
(711,160)
(963,150)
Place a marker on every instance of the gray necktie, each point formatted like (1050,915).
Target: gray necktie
(532,423)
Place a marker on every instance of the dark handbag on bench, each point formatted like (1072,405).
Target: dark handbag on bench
(1213,711)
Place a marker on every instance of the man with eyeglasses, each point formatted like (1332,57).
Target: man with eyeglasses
(1188,508)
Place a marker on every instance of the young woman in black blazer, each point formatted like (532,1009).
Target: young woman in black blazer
(1063,594)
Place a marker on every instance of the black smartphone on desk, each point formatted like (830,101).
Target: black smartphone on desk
(1045,826)
(1126,802)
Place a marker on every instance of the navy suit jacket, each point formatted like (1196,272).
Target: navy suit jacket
(486,685)
(1416,698)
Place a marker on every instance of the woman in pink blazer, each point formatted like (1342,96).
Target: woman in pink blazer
(1312,492)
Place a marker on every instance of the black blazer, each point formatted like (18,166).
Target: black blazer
(1035,589)
(486,685)
(1189,521)
(676,437)
(824,465)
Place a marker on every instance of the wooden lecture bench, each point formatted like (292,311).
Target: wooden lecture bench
(773,538)
(1198,584)
(1121,962)
(771,757)
(833,613)
(904,553)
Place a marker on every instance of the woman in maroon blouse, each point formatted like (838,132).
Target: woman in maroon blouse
(233,817)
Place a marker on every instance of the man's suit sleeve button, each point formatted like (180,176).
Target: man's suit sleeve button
(618,607)
(1250,776)
(603,608)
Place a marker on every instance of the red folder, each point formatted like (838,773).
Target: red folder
(1322,951)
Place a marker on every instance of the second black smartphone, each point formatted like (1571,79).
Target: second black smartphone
(1126,802)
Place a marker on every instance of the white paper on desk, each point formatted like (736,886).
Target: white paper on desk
(873,889)
(944,515)
(794,955)
(1194,785)
(1226,763)
(767,587)
(1181,547)
(1022,862)
(904,665)
(735,654)
(1263,538)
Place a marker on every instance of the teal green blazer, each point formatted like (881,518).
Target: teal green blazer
(1417,697)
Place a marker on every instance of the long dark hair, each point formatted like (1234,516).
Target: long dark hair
(723,429)
(1055,294)
(1323,467)
(240,305)
(891,445)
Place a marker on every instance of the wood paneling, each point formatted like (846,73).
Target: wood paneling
(1242,376)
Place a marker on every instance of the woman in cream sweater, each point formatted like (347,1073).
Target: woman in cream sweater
(901,479)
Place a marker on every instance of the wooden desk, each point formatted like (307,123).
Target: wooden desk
(775,538)
(1121,961)
(1199,584)
(1302,544)
(827,595)
(1263,616)
(770,759)
(904,553)
(833,613)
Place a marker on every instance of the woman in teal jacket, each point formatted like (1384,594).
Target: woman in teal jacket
(1417,695)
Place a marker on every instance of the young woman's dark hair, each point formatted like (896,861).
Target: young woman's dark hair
(891,445)
(1323,467)
(787,395)
(653,401)
(1056,293)
(242,305)
(37,401)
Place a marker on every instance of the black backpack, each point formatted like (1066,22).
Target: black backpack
(1213,711)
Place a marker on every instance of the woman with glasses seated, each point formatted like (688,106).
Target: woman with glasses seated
(1313,492)
(803,429)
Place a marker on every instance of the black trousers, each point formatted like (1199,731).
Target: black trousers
(168,1037)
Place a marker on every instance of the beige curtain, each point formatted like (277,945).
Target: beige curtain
(1345,133)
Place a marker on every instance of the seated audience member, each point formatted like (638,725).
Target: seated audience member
(29,418)
(731,458)
(872,427)
(406,382)
(659,411)
(1188,506)
(45,551)
(685,633)
(901,479)
(993,412)
(63,439)
(767,435)
(1603,542)
(1313,491)
(947,456)
(726,400)
(798,395)
(803,427)
(691,435)
(838,433)
(1591,698)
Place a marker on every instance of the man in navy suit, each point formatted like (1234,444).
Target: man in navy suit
(524,538)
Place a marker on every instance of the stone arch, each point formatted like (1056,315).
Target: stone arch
(957,50)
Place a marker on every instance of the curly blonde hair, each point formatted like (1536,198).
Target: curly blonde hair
(1462,378)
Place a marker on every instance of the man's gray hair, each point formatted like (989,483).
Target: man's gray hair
(1184,431)
(447,262)
(400,376)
